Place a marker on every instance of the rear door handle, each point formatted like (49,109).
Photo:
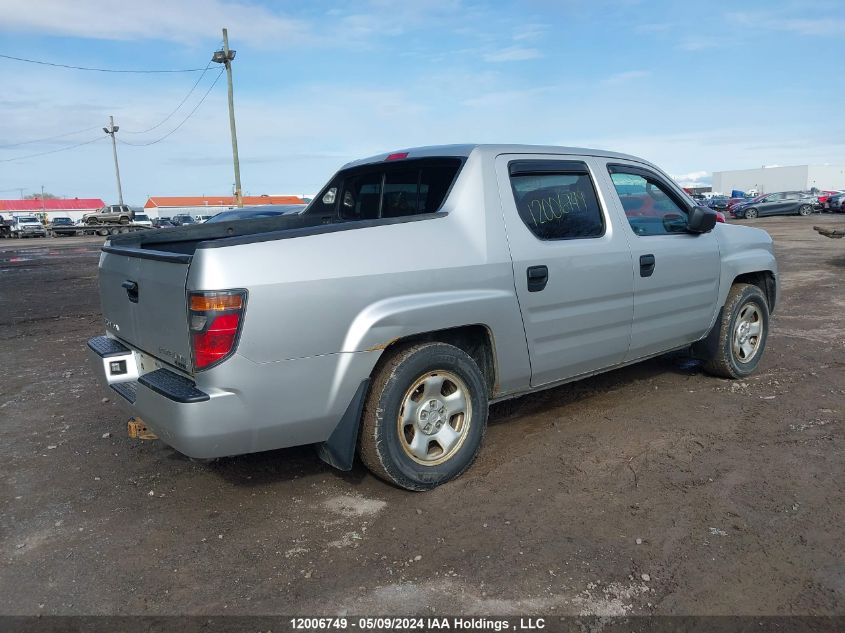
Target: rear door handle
(538,277)
(647,264)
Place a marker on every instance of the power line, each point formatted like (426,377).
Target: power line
(190,114)
(50,138)
(100,70)
(53,151)
(176,109)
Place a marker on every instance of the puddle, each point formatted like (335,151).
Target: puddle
(37,254)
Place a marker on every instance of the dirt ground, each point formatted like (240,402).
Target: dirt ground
(654,489)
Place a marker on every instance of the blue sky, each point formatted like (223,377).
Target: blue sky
(693,86)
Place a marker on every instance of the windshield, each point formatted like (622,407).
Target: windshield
(28,221)
(141,216)
(62,221)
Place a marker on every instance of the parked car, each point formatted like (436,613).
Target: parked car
(718,202)
(62,226)
(27,226)
(823,197)
(5,227)
(261,211)
(112,214)
(783,203)
(160,223)
(416,288)
(202,218)
(834,203)
(734,202)
(142,219)
(182,219)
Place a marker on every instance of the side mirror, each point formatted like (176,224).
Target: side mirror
(701,220)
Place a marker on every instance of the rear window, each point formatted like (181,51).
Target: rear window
(387,190)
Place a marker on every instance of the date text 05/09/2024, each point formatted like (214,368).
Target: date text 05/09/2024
(417,624)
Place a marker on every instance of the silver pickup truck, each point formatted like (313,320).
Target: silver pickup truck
(417,288)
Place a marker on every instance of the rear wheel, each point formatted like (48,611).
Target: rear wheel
(425,416)
(743,330)
(751,213)
(805,210)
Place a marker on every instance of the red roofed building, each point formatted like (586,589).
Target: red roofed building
(208,205)
(73,208)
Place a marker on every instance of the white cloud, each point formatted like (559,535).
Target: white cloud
(699,43)
(513,54)
(530,32)
(811,27)
(693,178)
(182,21)
(630,75)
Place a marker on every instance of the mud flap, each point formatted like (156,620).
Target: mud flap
(339,450)
(708,347)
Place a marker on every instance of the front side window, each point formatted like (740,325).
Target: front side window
(649,205)
(556,205)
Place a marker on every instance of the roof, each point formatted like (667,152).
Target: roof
(53,204)
(465,150)
(217,201)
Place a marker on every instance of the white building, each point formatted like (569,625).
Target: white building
(769,179)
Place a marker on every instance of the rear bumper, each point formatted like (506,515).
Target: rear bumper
(240,406)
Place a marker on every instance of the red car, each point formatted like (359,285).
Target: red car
(823,197)
(735,201)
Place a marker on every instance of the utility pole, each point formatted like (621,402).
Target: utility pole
(111,130)
(225,57)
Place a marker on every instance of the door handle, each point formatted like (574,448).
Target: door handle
(647,264)
(131,288)
(538,277)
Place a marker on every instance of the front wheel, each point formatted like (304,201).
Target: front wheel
(750,214)
(425,416)
(743,330)
(805,210)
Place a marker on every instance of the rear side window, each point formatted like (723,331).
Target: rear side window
(556,201)
(388,190)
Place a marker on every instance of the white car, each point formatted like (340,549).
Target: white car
(141,219)
(27,226)
(202,218)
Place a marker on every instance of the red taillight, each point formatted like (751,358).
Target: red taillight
(215,321)
(397,156)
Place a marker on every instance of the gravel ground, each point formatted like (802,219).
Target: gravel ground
(653,489)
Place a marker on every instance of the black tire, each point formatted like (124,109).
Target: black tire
(123,220)
(380,446)
(805,210)
(726,362)
(750,214)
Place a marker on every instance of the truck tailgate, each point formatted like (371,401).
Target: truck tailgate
(144,302)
